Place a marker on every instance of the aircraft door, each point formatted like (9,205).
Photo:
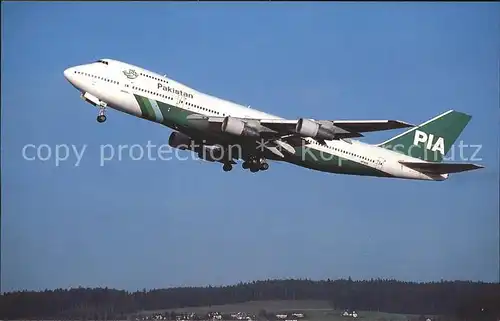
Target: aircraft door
(380,163)
(181,100)
(128,84)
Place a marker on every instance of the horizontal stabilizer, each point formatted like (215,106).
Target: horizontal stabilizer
(441,168)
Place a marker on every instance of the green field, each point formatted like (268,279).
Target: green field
(314,310)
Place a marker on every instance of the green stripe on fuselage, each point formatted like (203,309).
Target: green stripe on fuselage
(327,162)
(141,104)
(149,109)
(172,115)
(146,109)
(156,110)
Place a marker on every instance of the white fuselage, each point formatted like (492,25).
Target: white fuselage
(106,82)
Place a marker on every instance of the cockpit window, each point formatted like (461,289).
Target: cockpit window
(102,61)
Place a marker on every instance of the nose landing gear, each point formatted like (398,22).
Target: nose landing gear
(101,117)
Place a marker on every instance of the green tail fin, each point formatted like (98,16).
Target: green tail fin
(431,140)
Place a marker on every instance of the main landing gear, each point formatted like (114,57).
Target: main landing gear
(227,167)
(255,164)
(101,117)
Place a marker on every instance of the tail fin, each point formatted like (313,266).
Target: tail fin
(431,140)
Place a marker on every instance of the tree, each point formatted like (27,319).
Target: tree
(462,299)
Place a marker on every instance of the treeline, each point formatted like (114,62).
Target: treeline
(462,299)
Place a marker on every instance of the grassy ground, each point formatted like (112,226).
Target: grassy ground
(314,310)
(256,306)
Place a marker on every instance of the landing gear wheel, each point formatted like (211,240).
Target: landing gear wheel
(254,169)
(101,118)
(227,167)
(264,166)
(245,165)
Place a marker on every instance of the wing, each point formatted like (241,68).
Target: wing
(441,168)
(363,126)
(342,128)
(283,135)
(321,129)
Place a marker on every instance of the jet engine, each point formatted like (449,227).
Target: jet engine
(238,127)
(310,128)
(180,141)
(211,153)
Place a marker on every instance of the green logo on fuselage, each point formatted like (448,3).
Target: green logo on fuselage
(131,74)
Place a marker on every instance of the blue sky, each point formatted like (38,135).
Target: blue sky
(145,224)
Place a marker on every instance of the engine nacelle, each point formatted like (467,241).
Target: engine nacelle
(238,127)
(309,128)
(211,153)
(180,141)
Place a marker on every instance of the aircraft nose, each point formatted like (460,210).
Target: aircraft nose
(70,75)
(67,73)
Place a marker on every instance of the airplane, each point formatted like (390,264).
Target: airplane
(222,131)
